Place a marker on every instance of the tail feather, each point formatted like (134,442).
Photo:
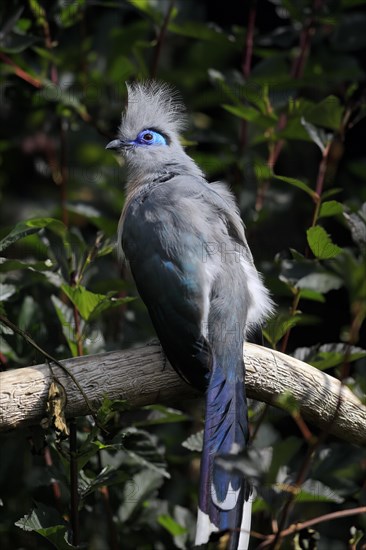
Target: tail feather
(224,501)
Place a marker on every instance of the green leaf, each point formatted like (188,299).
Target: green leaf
(330,208)
(23,229)
(320,282)
(242,111)
(315,491)
(329,355)
(106,477)
(143,448)
(328,113)
(162,415)
(71,13)
(251,114)
(6,291)
(201,31)
(297,183)
(321,244)
(90,304)
(317,135)
(85,301)
(288,402)
(49,524)
(306,294)
(277,326)
(262,170)
(137,489)
(171,525)
(66,318)
(14,265)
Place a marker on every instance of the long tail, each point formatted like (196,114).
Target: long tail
(224,500)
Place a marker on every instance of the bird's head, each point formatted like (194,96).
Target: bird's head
(148,137)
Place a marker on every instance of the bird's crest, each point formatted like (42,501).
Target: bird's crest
(152,105)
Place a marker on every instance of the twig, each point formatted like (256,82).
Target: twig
(246,65)
(296,72)
(104,491)
(55,484)
(74,493)
(295,528)
(21,73)
(63,171)
(160,40)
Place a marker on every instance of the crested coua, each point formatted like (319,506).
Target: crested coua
(185,243)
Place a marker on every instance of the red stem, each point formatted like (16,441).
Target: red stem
(246,67)
(20,72)
(160,40)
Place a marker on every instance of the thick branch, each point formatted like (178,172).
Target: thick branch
(139,377)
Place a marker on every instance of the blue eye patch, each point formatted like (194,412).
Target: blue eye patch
(150,137)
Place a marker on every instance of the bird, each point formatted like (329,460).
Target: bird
(185,244)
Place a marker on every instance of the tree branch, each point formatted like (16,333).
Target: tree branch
(139,377)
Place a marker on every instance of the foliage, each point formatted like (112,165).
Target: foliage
(282,123)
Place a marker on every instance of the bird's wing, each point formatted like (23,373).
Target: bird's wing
(173,288)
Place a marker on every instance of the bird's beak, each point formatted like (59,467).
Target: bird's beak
(116,144)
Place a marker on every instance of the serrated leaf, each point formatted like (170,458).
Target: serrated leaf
(143,448)
(22,229)
(106,477)
(277,326)
(85,300)
(194,442)
(171,525)
(49,524)
(297,183)
(137,490)
(315,491)
(330,208)
(329,355)
(321,244)
(90,304)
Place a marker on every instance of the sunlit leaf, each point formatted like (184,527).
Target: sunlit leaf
(49,524)
(321,244)
(171,525)
(22,229)
(330,208)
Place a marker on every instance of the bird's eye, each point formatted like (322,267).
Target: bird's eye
(150,137)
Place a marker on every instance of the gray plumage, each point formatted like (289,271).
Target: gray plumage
(184,240)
